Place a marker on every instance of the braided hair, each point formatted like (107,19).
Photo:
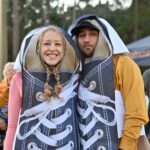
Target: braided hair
(49,91)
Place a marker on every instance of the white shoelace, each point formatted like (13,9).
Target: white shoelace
(93,100)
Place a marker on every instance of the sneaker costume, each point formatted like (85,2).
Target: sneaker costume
(103,97)
(47,125)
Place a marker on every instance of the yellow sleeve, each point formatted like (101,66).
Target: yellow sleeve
(129,82)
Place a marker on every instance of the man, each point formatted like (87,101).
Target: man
(111,88)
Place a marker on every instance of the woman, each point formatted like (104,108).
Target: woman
(43,94)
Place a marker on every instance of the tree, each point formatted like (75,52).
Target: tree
(34,13)
(15,28)
(135,20)
(3,36)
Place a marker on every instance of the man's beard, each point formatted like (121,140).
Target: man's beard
(87,54)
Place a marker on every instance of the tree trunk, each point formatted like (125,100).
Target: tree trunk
(46,11)
(74,11)
(15,28)
(3,36)
(135,20)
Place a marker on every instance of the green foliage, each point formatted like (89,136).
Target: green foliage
(34,13)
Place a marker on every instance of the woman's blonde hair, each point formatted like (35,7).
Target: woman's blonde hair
(49,90)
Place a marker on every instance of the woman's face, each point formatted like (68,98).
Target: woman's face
(52,47)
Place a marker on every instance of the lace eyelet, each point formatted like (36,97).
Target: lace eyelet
(92,85)
(39,96)
(69,127)
(99,133)
(71,143)
(31,146)
(69,112)
(101,148)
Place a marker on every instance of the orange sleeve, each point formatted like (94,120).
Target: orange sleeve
(4,98)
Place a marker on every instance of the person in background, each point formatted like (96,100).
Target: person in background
(111,95)
(43,93)
(8,73)
(146,77)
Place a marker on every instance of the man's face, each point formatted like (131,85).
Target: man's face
(87,41)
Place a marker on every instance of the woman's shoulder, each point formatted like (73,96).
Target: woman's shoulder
(17,77)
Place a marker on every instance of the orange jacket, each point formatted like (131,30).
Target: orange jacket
(4,93)
(3,86)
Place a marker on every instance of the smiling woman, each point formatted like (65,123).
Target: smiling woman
(43,95)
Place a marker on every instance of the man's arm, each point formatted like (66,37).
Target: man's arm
(130,83)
